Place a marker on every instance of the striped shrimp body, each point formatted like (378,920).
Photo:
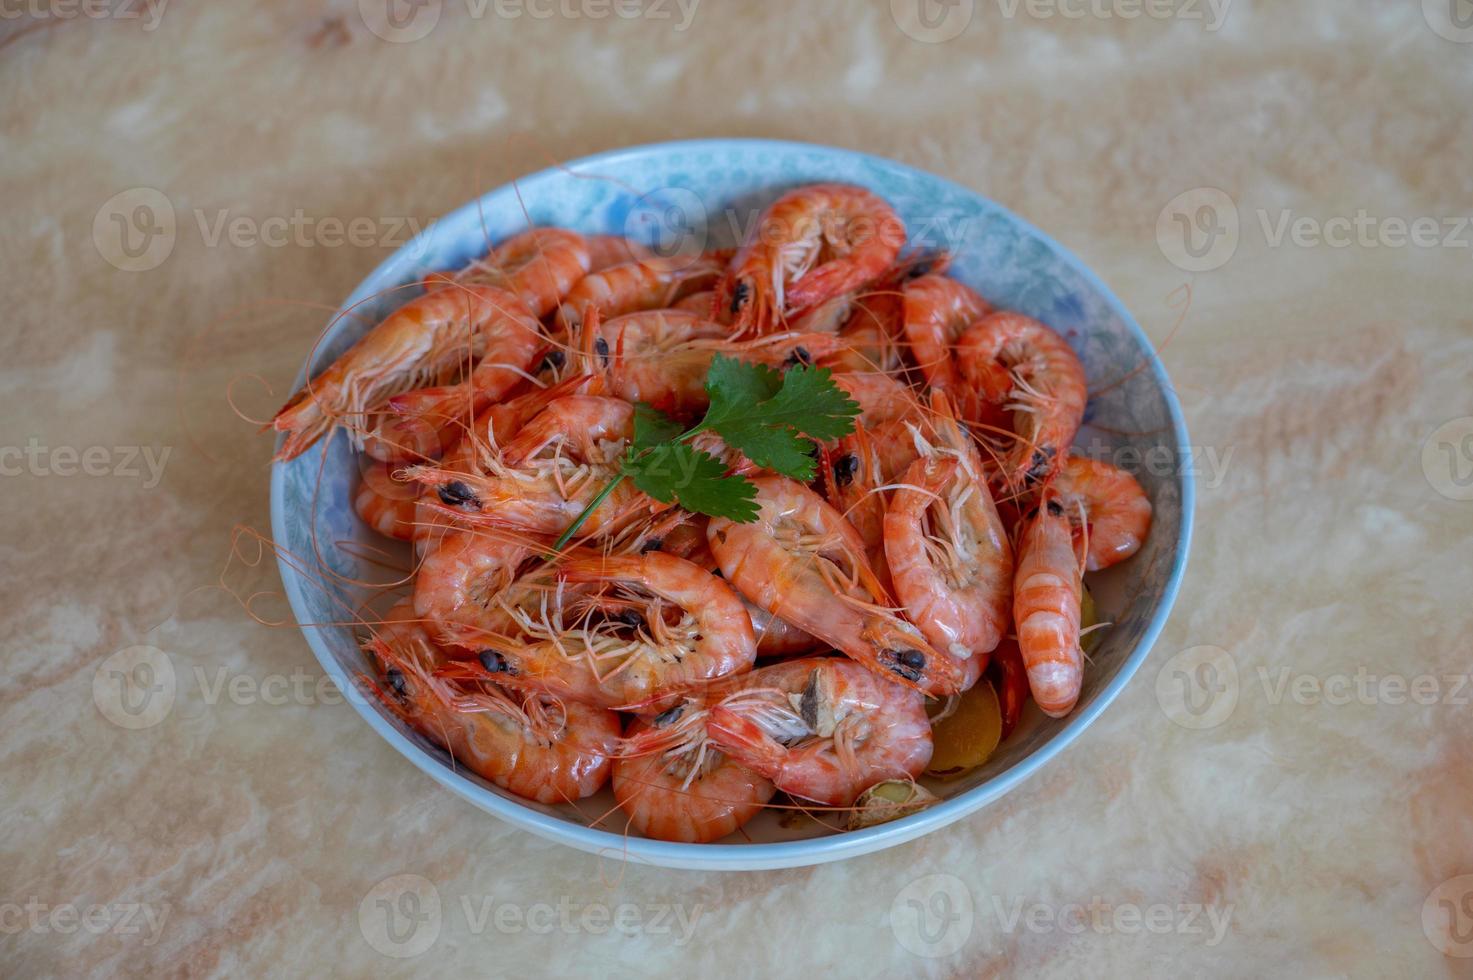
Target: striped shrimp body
(621,630)
(462,586)
(937,310)
(1116,513)
(822,729)
(803,562)
(425,342)
(543,478)
(1016,364)
(1046,598)
(950,560)
(674,785)
(385,504)
(539,265)
(644,284)
(660,357)
(537,748)
(810,245)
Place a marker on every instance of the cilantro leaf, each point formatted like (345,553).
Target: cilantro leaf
(653,427)
(697,480)
(763,413)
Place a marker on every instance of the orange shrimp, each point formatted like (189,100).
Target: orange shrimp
(609,250)
(645,284)
(544,477)
(656,357)
(385,504)
(1012,683)
(936,312)
(426,341)
(1017,364)
(459,582)
(823,729)
(539,265)
(696,303)
(950,560)
(1116,512)
(1046,598)
(680,788)
(801,561)
(881,398)
(619,630)
(855,476)
(538,748)
(810,245)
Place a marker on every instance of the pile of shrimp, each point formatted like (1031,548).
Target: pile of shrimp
(702,666)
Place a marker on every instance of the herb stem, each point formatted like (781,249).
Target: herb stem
(582,518)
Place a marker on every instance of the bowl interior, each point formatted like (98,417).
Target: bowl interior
(676,197)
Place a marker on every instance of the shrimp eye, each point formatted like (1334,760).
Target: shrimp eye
(908,663)
(629,617)
(669,715)
(1041,463)
(1055,508)
(395,678)
(554,359)
(738,296)
(494,662)
(845,468)
(457,494)
(801,356)
(602,347)
(653,544)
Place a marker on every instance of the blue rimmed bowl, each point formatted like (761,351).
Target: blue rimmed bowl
(707,192)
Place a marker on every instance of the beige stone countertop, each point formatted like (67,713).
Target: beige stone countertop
(1320,825)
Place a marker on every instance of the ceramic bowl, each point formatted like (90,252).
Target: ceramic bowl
(709,192)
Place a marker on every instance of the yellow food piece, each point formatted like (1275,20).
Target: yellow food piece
(968,736)
(890,800)
(1088,616)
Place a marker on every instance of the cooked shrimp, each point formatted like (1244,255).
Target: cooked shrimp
(681,788)
(823,729)
(881,398)
(385,504)
(539,265)
(645,284)
(656,357)
(426,341)
(537,748)
(801,561)
(544,477)
(609,250)
(810,245)
(855,479)
(1117,513)
(1012,686)
(696,303)
(634,629)
(458,584)
(1046,597)
(1017,364)
(950,560)
(936,312)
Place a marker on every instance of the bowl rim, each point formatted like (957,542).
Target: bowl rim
(757,856)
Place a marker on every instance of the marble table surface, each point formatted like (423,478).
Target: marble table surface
(1279,190)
